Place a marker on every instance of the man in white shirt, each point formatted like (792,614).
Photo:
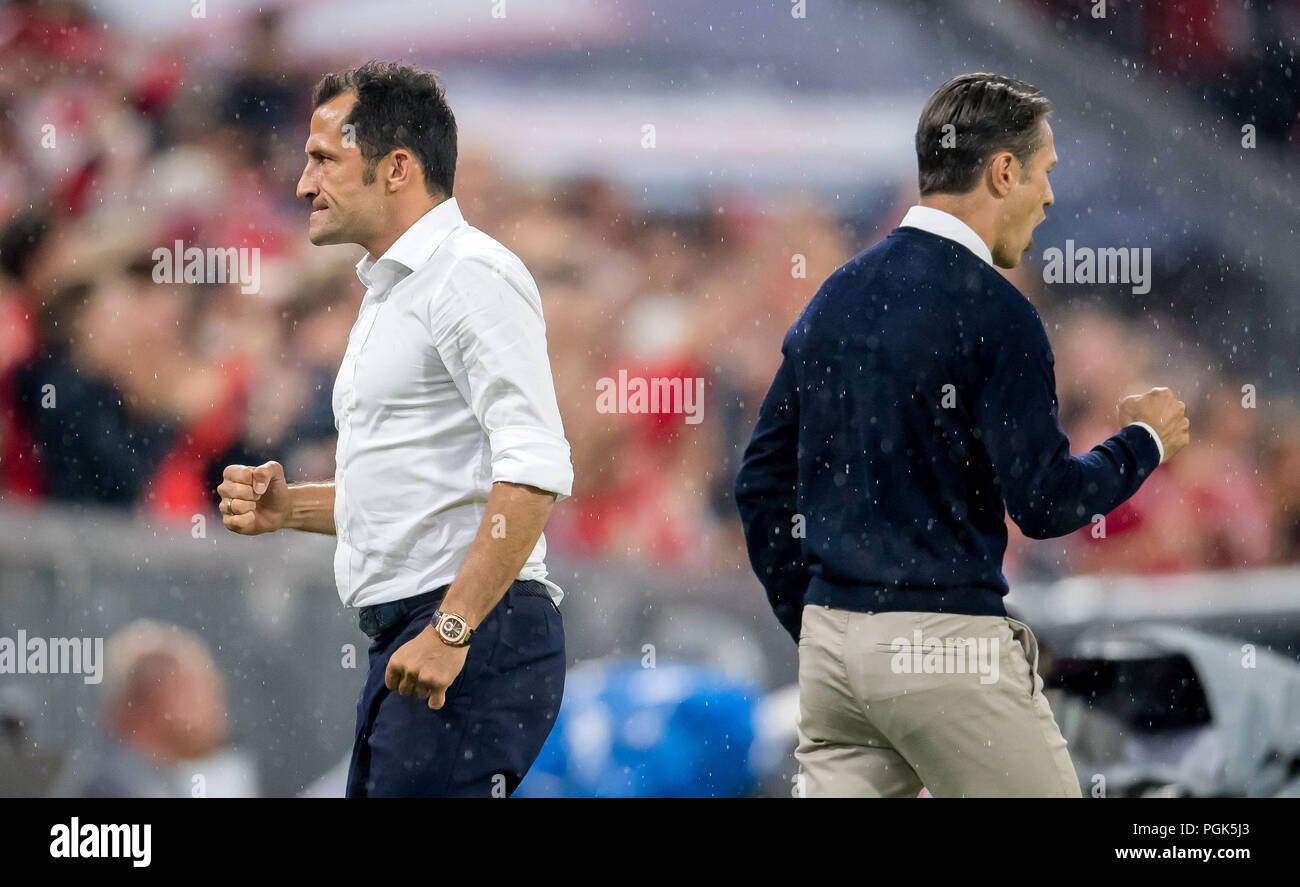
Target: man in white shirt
(450,455)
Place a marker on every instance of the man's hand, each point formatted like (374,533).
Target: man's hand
(1163,412)
(424,667)
(254,500)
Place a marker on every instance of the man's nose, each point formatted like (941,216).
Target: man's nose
(306,187)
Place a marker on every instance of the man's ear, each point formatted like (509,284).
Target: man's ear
(1003,172)
(403,168)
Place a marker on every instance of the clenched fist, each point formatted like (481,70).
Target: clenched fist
(1163,412)
(254,500)
(425,667)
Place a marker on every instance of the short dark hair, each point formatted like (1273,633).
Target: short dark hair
(397,107)
(988,113)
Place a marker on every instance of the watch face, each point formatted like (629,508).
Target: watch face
(452,628)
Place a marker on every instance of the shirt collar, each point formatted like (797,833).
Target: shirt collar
(412,249)
(943,224)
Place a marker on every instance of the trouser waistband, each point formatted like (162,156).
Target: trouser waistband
(969,601)
(378,618)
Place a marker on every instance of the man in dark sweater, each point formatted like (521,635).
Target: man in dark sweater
(915,398)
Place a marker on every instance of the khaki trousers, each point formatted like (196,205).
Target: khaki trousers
(892,702)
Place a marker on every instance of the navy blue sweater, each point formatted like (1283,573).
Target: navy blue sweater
(915,397)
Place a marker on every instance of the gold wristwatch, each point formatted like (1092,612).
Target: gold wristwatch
(452,629)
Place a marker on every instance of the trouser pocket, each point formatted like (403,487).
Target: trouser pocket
(1024,635)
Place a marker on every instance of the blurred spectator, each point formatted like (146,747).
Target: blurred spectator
(89,444)
(164,708)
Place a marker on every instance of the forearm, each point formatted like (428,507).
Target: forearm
(311,508)
(514,519)
(1048,492)
(1077,488)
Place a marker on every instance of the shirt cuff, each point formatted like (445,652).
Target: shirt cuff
(1159,444)
(531,456)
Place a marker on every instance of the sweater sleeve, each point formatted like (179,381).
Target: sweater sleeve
(1047,491)
(766,494)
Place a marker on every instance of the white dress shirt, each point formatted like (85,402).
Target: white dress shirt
(942,224)
(445,389)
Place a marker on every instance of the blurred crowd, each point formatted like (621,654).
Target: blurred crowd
(1238,57)
(115,389)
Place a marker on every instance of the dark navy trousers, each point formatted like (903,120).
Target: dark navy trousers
(498,712)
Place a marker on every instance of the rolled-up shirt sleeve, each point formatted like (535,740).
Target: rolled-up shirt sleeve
(491,336)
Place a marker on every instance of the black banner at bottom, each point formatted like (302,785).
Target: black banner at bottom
(234,837)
